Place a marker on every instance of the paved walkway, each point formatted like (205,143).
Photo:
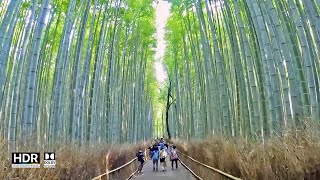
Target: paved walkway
(177,174)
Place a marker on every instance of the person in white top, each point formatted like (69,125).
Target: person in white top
(163,155)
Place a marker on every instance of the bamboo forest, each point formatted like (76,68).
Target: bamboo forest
(88,77)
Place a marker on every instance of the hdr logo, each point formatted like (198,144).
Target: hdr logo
(25,160)
(49,160)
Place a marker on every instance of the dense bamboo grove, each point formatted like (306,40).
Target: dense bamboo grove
(245,68)
(76,71)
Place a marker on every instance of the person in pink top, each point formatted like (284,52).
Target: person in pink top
(174,157)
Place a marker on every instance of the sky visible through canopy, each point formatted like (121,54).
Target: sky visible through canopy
(162,14)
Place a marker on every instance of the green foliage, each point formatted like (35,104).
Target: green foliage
(237,68)
(95,77)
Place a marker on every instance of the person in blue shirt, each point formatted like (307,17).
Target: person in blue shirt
(155,157)
(161,145)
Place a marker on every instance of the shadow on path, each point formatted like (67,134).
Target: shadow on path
(177,174)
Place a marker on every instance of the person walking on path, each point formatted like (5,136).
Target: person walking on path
(155,157)
(163,155)
(161,145)
(140,156)
(174,157)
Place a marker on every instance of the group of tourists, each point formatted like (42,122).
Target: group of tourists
(159,151)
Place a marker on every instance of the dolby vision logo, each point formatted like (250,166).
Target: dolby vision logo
(49,156)
(49,160)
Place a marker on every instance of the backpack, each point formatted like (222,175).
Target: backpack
(155,155)
(161,145)
(174,154)
(163,154)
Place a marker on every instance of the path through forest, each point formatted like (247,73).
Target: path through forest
(177,174)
